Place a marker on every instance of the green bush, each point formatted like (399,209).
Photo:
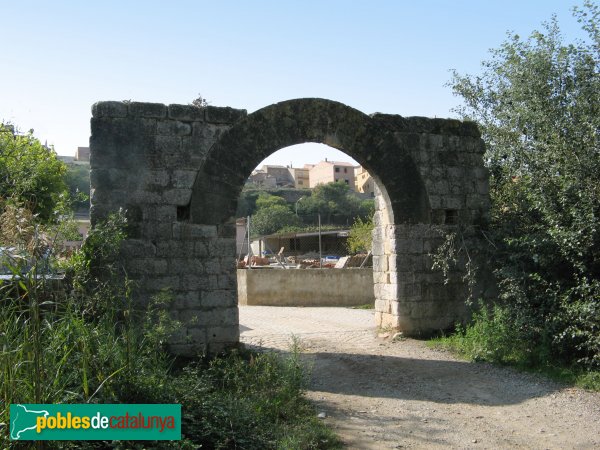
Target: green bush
(536,103)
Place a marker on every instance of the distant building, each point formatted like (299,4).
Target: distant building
(301,177)
(364,182)
(82,154)
(282,175)
(260,178)
(332,171)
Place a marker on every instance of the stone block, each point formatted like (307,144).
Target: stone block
(154,110)
(409,246)
(387,292)
(183,179)
(380,264)
(401,308)
(142,196)
(453,202)
(136,248)
(477,202)
(193,231)
(154,179)
(159,213)
(197,147)
(178,197)
(109,109)
(222,247)
(435,201)
(215,114)
(382,305)
(186,112)
(173,128)
(157,283)
(409,290)
(147,266)
(196,334)
(174,248)
(220,298)
(192,282)
(229,334)
(156,230)
(200,248)
(186,266)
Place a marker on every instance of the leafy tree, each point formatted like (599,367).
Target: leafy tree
(537,102)
(335,200)
(77,179)
(360,239)
(272,219)
(266,200)
(30,173)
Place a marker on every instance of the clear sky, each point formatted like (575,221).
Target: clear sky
(394,56)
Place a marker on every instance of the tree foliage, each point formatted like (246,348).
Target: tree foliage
(77,179)
(30,173)
(335,200)
(272,219)
(360,239)
(537,102)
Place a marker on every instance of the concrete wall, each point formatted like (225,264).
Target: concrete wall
(310,287)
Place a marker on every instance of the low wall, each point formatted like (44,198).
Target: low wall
(305,287)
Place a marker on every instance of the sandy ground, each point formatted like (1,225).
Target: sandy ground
(379,394)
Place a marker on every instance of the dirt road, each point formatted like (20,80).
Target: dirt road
(380,395)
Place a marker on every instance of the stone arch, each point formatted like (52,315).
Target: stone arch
(178,170)
(240,149)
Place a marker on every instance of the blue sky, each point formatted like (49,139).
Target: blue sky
(391,56)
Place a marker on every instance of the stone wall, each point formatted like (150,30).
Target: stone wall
(410,296)
(305,287)
(144,159)
(177,171)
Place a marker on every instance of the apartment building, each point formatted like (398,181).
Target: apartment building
(332,171)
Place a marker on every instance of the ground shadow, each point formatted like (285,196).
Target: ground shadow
(438,381)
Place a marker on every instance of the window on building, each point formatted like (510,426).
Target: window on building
(337,169)
(346,180)
(345,170)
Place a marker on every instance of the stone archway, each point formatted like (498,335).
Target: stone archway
(191,164)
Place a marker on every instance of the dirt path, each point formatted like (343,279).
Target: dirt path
(381,395)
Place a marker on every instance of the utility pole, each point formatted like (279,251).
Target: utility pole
(320,250)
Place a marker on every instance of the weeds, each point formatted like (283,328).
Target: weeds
(92,344)
(493,336)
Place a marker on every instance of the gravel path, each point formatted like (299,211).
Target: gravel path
(379,394)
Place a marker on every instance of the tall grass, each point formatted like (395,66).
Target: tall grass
(90,343)
(495,335)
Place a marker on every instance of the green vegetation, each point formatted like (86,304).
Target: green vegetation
(30,174)
(271,213)
(490,337)
(92,343)
(84,339)
(77,179)
(336,202)
(360,239)
(537,103)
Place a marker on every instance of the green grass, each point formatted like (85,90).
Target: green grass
(490,337)
(93,345)
(365,306)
